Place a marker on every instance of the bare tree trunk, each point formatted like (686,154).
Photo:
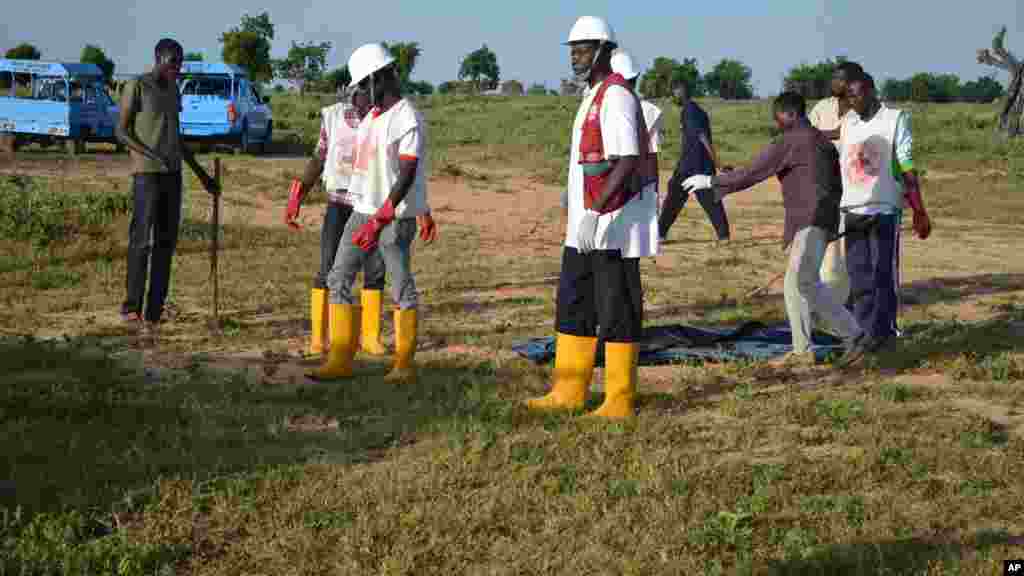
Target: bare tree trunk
(1011,115)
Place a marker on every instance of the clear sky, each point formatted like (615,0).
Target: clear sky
(891,38)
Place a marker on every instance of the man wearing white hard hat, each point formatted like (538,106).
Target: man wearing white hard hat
(622,64)
(388,191)
(332,163)
(612,223)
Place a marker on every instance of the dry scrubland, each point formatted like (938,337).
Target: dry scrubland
(207,452)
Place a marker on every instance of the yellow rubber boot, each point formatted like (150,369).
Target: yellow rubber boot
(344,339)
(620,375)
(574,367)
(405,347)
(370,340)
(319,316)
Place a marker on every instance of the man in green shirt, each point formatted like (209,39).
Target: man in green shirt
(148,127)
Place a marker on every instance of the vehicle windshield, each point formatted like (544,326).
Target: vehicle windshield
(52,88)
(206,85)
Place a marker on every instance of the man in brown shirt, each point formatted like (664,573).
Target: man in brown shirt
(807,165)
(149,128)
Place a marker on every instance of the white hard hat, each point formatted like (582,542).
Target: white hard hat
(366,60)
(590,28)
(622,63)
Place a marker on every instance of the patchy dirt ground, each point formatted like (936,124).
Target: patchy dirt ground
(511,218)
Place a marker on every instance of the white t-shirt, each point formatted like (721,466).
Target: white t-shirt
(652,117)
(874,153)
(382,141)
(336,148)
(633,229)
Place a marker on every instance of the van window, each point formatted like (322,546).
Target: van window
(52,88)
(219,86)
(6,84)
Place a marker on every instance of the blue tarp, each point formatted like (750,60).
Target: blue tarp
(680,343)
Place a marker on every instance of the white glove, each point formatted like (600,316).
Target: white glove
(697,182)
(586,236)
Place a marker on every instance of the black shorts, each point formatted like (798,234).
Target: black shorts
(600,289)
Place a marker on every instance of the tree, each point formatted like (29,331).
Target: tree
(984,90)
(657,82)
(405,54)
(422,88)
(896,90)
(481,67)
(23,52)
(337,78)
(260,25)
(92,54)
(812,81)
(193,57)
(537,90)
(305,63)
(447,87)
(920,88)
(730,79)
(1011,113)
(248,45)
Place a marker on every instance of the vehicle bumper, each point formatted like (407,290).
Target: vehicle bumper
(198,131)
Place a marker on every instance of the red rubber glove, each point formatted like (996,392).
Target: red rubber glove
(428,228)
(367,235)
(294,201)
(922,223)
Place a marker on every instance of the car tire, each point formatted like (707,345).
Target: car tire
(268,138)
(244,145)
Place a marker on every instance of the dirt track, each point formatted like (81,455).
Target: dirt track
(512,217)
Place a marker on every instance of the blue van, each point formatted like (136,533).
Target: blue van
(219,104)
(55,102)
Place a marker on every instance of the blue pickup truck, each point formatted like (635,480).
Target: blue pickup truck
(219,104)
(55,102)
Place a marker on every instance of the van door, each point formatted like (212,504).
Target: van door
(258,113)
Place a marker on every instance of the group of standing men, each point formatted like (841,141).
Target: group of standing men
(846,176)
(372,155)
(846,173)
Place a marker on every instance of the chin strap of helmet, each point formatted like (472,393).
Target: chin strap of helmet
(585,76)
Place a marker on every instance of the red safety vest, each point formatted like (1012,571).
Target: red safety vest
(597,168)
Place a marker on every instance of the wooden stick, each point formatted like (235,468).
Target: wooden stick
(757,291)
(215,240)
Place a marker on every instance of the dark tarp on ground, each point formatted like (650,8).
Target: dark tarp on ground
(680,343)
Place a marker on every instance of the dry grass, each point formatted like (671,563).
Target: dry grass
(235,464)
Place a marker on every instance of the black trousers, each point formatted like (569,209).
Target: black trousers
(156,213)
(335,218)
(675,201)
(600,289)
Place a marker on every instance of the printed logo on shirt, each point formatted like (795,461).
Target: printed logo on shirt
(366,150)
(864,161)
(346,152)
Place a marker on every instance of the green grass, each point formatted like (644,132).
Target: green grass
(730,469)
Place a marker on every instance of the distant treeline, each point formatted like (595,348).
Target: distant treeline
(814,80)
